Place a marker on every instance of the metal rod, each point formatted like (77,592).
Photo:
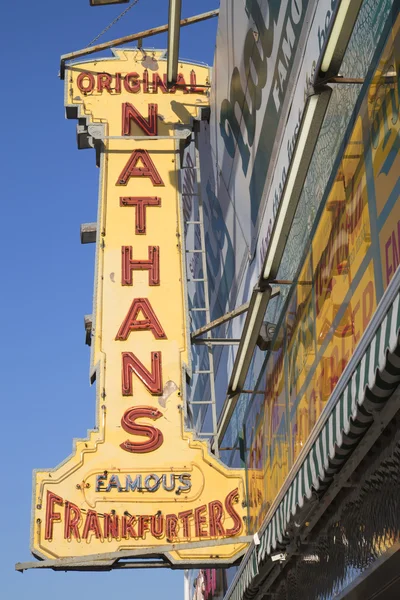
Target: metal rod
(174,31)
(253,392)
(140,137)
(289,282)
(131,38)
(215,341)
(226,317)
(349,80)
(194,402)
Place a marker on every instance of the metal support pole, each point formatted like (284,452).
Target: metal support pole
(174,31)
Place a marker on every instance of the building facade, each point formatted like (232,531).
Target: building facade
(299,184)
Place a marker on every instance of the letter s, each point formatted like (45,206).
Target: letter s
(237,521)
(154,435)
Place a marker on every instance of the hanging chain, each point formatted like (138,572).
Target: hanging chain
(113,23)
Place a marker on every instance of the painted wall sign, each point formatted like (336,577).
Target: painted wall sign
(353,248)
(139,479)
(236,244)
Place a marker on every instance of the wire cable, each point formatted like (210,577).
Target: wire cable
(120,16)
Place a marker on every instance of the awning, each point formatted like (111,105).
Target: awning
(370,378)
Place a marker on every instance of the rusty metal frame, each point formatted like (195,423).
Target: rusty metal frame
(131,38)
(118,560)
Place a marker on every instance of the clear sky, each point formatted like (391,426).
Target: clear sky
(48,189)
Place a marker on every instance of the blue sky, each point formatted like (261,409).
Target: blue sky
(48,188)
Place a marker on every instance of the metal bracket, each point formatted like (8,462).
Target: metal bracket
(88,233)
(227,317)
(88,329)
(115,560)
(97,134)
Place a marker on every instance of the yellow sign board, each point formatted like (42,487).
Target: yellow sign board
(140,480)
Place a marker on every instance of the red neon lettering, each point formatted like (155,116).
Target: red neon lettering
(152,380)
(111,526)
(143,525)
(127,529)
(104,81)
(158,82)
(79,82)
(193,87)
(117,83)
(131,83)
(72,517)
(130,113)
(145,81)
(199,521)
(237,521)
(157,526)
(51,516)
(140,205)
(91,524)
(185,516)
(152,265)
(132,323)
(216,512)
(154,436)
(180,83)
(171,524)
(131,170)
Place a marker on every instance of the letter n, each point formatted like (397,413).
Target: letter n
(130,113)
(152,380)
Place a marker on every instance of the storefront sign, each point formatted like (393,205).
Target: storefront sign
(139,479)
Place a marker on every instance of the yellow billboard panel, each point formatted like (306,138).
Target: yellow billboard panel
(139,480)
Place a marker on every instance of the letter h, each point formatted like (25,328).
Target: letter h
(152,265)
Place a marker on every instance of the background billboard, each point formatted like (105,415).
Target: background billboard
(265,59)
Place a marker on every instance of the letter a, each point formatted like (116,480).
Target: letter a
(132,323)
(131,170)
